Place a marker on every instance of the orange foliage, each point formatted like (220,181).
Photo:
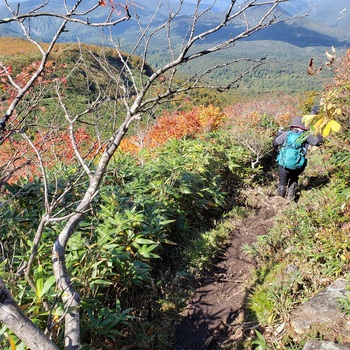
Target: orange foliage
(172,126)
(5,70)
(246,121)
(176,125)
(130,144)
(210,118)
(16,156)
(50,68)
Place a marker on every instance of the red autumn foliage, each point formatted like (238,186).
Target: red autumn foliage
(10,85)
(5,70)
(18,159)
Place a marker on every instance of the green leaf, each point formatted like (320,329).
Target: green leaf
(145,251)
(168,241)
(47,285)
(101,282)
(140,240)
(39,282)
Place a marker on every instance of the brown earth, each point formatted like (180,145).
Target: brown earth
(214,317)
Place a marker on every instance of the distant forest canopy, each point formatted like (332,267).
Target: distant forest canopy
(283,70)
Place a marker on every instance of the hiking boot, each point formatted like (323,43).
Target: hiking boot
(281,190)
(292,191)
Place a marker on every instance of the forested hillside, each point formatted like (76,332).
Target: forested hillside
(121,181)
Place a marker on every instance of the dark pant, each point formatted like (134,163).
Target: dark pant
(288,179)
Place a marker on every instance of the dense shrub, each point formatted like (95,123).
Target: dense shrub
(146,213)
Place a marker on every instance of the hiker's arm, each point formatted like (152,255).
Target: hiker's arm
(279,140)
(315,140)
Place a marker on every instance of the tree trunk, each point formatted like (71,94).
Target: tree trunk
(12,316)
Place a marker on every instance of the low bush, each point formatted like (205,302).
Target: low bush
(144,237)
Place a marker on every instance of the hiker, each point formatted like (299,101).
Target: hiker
(291,159)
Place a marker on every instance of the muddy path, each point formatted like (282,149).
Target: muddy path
(214,317)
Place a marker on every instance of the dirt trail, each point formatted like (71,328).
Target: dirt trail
(214,316)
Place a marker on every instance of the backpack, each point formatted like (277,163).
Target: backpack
(293,151)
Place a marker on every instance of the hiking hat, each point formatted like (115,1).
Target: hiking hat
(297,122)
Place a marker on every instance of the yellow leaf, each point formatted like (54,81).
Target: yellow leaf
(320,123)
(338,111)
(307,119)
(335,126)
(326,130)
(11,341)
(329,106)
(332,125)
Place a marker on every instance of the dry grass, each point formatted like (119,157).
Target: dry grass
(16,46)
(11,46)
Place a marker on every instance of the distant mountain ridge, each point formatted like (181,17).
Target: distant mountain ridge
(320,22)
(310,28)
(335,14)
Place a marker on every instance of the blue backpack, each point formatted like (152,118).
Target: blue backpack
(293,152)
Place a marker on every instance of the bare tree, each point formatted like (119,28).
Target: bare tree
(134,96)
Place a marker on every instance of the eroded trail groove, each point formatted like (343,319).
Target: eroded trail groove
(214,317)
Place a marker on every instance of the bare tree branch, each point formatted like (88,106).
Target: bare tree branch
(68,17)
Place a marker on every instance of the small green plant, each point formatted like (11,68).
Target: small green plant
(344,303)
(261,306)
(104,322)
(260,342)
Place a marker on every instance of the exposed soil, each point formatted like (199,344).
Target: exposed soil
(214,317)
